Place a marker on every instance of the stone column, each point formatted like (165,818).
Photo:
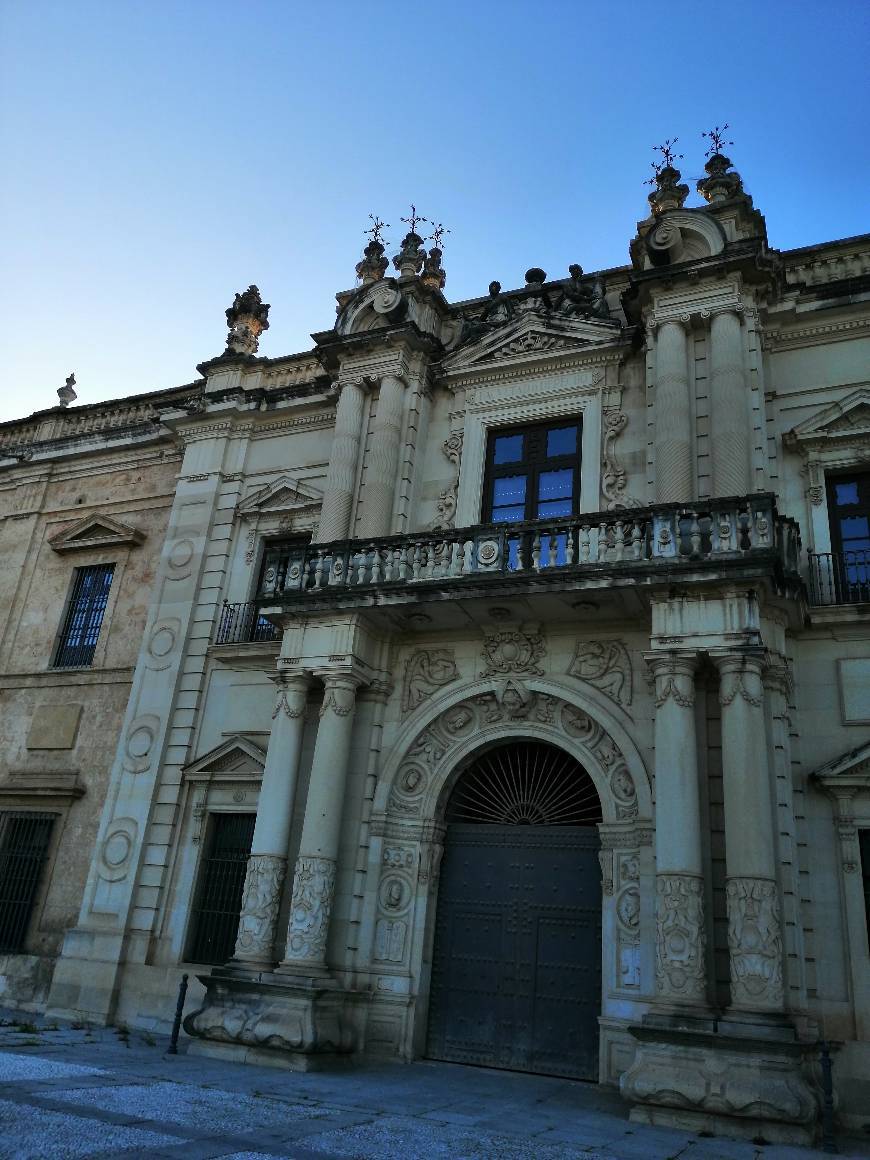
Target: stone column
(382,472)
(267,865)
(341,475)
(730,425)
(673,423)
(314,880)
(681,935)
(752,893)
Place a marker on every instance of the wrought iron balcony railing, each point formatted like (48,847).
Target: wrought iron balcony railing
(242,624)
(839,577)
(665,536)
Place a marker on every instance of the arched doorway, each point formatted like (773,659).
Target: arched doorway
(516,966)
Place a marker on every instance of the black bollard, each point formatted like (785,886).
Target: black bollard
(829,1143)
(176,1022)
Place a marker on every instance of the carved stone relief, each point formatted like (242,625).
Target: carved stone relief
(313,888)
(260,902)
(515,651)
(754,941)
(606,665)
(614,479)
(426,671)
(681,937)
(446,505)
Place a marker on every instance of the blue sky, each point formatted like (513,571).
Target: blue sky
(160,156)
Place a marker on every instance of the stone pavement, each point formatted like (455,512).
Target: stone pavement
(68,1092)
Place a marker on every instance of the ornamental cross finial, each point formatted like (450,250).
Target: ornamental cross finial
(413,221)
(438,232)
(667,152)
(377,226)
(717,139)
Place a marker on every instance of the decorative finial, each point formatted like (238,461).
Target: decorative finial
(66,394)
(377,226)
(718,144)
(721,182)
(668,194)
(247,318)
(437,235)
(414,220)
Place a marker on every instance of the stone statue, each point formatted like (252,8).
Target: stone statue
(66,394)
(247,318)
(497,312)
(576,298)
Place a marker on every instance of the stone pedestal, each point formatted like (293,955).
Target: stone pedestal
(267,866)
(762,1084)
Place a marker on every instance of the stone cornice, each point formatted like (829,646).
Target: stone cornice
(558,362)
(822,332)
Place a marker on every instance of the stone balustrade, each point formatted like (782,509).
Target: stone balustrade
(666,535)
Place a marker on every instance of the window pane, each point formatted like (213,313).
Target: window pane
(510,490)
(847,492)
(553,508)
(84,617)
(561,441)
(556,484)
(508,449)
(855,527)
(508,514)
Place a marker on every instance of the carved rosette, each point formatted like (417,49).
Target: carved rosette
(681,938)
(754,942)
(313,890)
(261,899)
(513,652)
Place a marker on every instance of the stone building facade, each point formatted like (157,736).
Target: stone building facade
(503,691)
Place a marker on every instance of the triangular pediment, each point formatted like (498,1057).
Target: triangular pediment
(238,754)
(283,496)
(95,532)
(532,337)
(849,771)
(846,420)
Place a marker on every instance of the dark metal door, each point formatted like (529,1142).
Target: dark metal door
(516,971)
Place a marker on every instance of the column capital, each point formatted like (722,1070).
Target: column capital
(674,674)
(291,696)
(340,689)
(740,674)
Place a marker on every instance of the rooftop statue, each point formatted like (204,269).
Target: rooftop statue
(247,318)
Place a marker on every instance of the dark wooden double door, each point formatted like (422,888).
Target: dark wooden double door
(516,970)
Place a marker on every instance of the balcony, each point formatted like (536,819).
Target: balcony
(839,577)
(669,543)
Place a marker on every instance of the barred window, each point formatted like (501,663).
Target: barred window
(84,616)
(24,844)
(221,881)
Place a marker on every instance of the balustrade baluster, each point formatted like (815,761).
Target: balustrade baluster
(636,541)
(695,535)
(360,560)
(569,546)
(552,549)
(430,560)
(415,563)
(603,543)
(619,542)
(456,558)
(724,526)
(318,569)
(536,552)
(389,557)
(376,565)
(468,558)
(583,543)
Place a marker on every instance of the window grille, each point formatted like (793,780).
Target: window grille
(24,843)
(221,880)
(84,616)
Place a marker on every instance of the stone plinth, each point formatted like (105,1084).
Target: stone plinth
(736,1080)
(277,1020)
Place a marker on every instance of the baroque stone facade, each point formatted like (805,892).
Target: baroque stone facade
(331,604)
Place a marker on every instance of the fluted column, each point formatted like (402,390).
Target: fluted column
(681,934)
(341,475)
(752,893)
(673,422)
(267,866)
(314,879)
(730,424)
(382,472)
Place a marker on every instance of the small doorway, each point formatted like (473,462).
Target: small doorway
(516,968)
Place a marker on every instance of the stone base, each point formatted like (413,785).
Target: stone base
(277,1019)
(268,1057)
(744,1085)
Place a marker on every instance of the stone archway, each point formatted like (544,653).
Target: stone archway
(407,836)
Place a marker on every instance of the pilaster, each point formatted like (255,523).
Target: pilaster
(730,428)
(343,470)
(382,476)
(674,480)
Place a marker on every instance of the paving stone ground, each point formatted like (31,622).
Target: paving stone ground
(70,1092)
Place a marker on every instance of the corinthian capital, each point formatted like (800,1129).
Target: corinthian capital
(674,675)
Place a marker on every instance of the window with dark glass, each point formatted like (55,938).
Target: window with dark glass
(849,511)
(218,903)
(532,472)
(84,616)
(24,844)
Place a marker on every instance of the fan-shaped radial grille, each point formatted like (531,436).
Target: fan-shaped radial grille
(525,783)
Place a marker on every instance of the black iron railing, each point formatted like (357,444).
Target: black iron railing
(242,624)
(839,577)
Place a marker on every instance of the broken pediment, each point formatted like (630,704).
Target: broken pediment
(285,496)
(849,772)
(533,336)
(237,755)
(95,532)
(846,421)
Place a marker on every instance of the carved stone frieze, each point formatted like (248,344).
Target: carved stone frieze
(261,899)
(426,671)
(754,942)
(681,937)
(313,889)
(606,665)
(516,651)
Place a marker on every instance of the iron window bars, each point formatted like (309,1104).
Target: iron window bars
(84,616)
